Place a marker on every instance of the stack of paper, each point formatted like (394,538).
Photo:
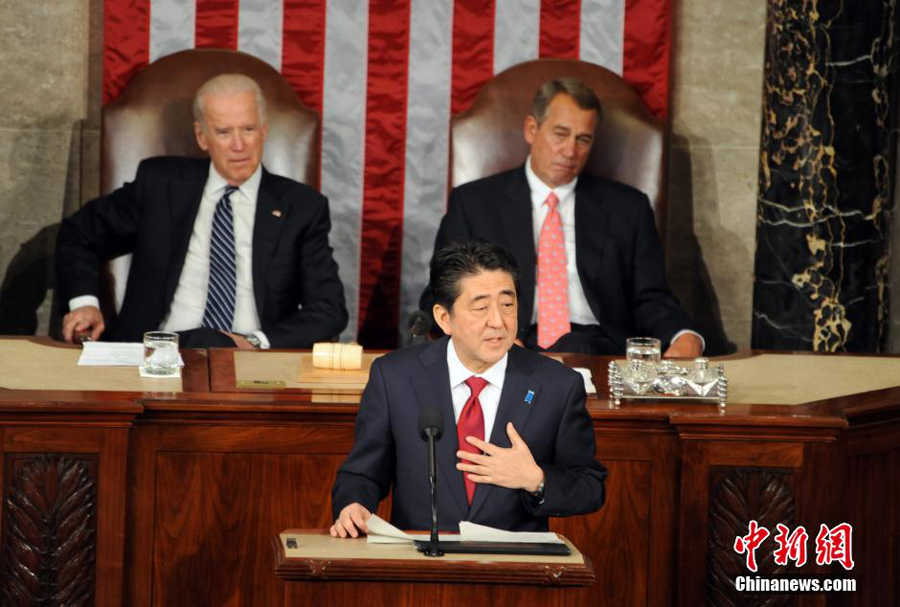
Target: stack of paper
(114,354)
(382,532)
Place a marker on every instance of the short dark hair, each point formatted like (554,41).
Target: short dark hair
(463,259)
(583,95)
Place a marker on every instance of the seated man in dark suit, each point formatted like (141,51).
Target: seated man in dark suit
(223,251)
(539,460)
(591,262)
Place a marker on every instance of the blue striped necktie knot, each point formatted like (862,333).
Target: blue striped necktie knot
(221,293)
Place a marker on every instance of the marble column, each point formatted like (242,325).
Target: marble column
(826,175)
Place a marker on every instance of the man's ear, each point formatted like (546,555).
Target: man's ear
(530,129)
(442,317)
(201,137)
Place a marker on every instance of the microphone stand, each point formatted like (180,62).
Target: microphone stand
(434,547)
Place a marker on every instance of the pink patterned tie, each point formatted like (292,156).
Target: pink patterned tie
(471,423)
(553,283)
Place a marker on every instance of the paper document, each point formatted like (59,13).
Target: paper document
(114,354)
(473,532)
(588,380)
(382,532)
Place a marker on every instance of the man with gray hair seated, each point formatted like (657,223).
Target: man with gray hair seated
(591,261)
(224,252)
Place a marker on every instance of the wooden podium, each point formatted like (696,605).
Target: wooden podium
(321,570)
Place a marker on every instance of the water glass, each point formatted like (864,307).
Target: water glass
(160,353)
(643,355)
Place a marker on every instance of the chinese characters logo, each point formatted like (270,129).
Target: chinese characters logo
(832,544)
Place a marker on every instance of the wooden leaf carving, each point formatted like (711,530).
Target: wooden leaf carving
(745,494)
(49,532)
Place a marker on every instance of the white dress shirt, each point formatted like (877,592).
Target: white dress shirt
(579,310)
(189,301)
(490,394)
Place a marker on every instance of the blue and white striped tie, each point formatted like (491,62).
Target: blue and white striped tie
(220,296)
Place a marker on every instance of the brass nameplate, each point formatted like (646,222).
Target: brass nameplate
(261,383)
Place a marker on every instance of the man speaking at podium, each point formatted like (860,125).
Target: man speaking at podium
(523,445)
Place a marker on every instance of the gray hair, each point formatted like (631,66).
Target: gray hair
(582,94)
(229,84)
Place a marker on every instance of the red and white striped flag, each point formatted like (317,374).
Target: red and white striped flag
(385,76)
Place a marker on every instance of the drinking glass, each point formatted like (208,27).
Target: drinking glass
(160,353)
(643,355)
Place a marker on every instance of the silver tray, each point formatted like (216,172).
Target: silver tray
(669,381)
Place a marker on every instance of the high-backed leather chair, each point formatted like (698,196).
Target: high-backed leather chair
(630,145)
(154,117)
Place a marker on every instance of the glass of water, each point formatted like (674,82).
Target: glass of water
(643,355)
(160,353)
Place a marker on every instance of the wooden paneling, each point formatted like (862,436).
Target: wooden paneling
(398,594)
(215,517)
(767,454)
(62,470)
(623,523)
(871,503)
(209,493)
(732,473)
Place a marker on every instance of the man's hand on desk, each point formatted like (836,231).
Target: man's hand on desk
(352,517)
(83,320)
(686,346)
(513,468)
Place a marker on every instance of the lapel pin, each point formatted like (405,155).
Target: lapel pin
(529,397)
(277,212)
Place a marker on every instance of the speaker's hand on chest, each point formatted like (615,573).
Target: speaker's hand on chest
(512,467)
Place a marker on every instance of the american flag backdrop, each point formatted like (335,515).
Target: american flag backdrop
(385,77)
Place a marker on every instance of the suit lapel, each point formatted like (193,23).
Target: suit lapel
(518,230)
(433,388)
(185,195)
(513,408)
(271,214)
(591,226)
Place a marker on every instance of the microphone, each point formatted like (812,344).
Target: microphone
(417,327)
(431,428)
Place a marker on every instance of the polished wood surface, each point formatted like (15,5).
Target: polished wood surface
(429,581)
(212,474)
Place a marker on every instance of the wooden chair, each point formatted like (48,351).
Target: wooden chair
(153,117)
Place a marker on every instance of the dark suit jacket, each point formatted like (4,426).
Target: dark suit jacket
(388,451)
(619,257)
(153,217)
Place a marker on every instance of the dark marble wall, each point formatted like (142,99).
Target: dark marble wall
(826,176)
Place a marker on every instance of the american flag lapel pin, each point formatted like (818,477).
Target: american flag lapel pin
(529,396)
(277,212)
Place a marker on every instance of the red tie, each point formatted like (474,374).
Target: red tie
(471,423)
(553,282)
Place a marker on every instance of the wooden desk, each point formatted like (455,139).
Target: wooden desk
(63,462)
(325,571)
(212,476)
